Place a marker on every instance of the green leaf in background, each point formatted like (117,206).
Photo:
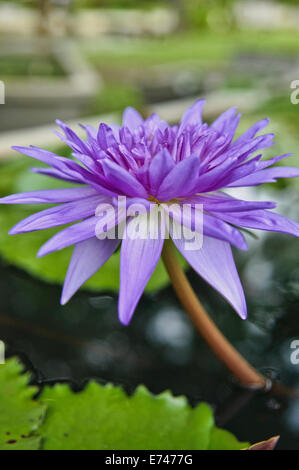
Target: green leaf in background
(104,417)
(20,415)
(20,250)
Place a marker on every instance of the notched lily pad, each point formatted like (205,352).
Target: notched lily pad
(104,417)
(20,415)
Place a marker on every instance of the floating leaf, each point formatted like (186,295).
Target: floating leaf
(222,440)
(104,417)
(25,443)
(20,415)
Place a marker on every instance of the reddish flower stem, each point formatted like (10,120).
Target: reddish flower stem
(221,347)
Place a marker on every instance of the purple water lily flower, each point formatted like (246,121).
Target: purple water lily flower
(151,161)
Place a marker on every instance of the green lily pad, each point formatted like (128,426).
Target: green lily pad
(20,415)
(20,250)
(221,439)
(102,417)
(105,418)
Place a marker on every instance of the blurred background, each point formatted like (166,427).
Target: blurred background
(85,61)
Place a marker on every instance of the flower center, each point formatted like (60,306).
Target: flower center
(177,200)
(153,199)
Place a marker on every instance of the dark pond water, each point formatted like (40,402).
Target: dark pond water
(160,348)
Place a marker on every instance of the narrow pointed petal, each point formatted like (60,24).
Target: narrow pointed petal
(231,167)
(126,137)
(138,260)
(50,196)
(209,181)
(53,173)
(123,180)
(67,168)
(106,218)
(239,172)
(132,119)
(180,181)
(73,140)
(159,168)
(94,181)
(233,205)
(227,122)
(91,131)
(239,153)
(65,165)
(262,220)
(90,163)
(70,236)
(193,115)
(243,150)
(269,175)
(106,137)
(88,257)
(253,130)
(211,225)
(59,215)
(183,146)
(214,262)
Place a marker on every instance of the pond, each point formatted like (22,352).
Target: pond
(160,348)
